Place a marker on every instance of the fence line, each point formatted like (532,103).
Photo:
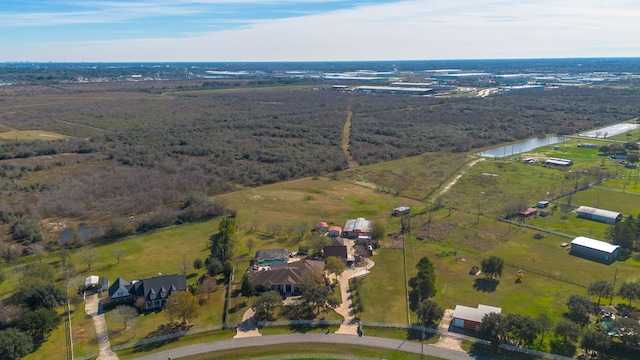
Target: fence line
(68,335)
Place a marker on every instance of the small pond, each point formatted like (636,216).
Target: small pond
(83,233)
(610,130)
(520,147)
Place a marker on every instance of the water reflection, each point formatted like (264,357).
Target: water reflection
(520,147)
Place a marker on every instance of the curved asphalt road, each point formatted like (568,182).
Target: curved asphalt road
(401,345)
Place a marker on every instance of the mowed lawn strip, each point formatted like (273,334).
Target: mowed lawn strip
(383,290)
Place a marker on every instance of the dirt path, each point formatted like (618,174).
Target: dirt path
(346,133)
(455,180)
(445,341)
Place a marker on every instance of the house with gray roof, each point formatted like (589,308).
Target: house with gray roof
(154,290)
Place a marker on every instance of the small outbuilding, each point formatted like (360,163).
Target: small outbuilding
(356,227)
(559,162)
(469,318)
(542,204)
(595,250)
(604,216)
(401,210)
(528,213)
(335,231)
(321,227)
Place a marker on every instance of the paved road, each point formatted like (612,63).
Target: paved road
(401,345)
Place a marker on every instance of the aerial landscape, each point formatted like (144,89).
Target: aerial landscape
(285,191)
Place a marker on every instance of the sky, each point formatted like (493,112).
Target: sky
(315,30)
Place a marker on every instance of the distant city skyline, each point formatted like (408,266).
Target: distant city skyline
(315,30)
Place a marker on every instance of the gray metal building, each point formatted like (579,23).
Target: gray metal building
(594,250)
(605,216)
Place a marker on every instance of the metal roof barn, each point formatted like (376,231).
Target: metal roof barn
(594,249)
(595,214)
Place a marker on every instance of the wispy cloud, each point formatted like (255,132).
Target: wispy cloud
(412,29)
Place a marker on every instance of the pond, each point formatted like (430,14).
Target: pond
(610,130)
(83,233)
(520,147)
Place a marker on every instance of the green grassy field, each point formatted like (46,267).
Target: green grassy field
(455,237)
(383,289)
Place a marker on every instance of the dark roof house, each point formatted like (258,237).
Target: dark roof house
(154,290)
(286,280)
(337,249)
(119,290)
(157,289)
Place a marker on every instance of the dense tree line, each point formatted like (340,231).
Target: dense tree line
(625,233)
(388,127)
(32,314)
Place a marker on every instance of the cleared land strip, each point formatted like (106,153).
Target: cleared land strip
(452,182)
(346,134)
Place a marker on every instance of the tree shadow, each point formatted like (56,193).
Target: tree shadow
(561,348)
(481,351)
(298,312)
(485,285)
(162,330)
(238,307)
(416,335)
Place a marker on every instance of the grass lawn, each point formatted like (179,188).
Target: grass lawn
(154,324)
(626,185)
(383,289)
(605,199)
(163,252)
(306,201)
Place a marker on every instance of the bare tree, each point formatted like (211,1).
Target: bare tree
(117,253)
(125,313)
(38,251)
(208,284)
(89,256)
(254,225)
(249,244)
(185,266)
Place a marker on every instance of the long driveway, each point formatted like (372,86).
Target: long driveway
(91,307)
(393,344)
(349,326)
